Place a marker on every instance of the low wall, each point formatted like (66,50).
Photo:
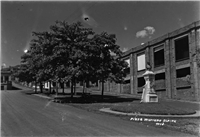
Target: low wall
(126,88)
(185,94)
(159,84)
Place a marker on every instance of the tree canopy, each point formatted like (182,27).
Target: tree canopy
(71,52)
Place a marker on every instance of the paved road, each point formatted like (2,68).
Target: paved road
(28,115)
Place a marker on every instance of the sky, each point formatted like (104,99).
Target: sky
(133,22)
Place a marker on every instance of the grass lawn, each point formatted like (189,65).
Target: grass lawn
(187,125)
(160,108)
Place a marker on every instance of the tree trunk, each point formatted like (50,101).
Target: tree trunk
(50,87)
(97,84)
(87,83)
(102,89)
(35,87)
(41,88)
(83,87)
(56,88)
(63,87)
(72,89)
(67,84)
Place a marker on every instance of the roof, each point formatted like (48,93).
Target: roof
(160,39)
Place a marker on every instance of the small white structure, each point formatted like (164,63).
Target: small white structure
(149,94)
(47,85)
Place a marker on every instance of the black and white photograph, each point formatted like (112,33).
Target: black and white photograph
(100,68)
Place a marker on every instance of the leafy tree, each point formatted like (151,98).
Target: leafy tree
(38,57)
(198,57)
(22,73)
(109,65)
(73,42)
(43,51)
(30,67)
(70,52)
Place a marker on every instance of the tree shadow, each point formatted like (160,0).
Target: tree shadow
(86,98)
(29,92)
(45,92)
(15,88)
(90,98)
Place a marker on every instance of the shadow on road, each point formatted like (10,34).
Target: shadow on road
(86,98)
(90,98)
(15,88)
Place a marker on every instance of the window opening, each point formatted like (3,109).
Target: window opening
(182,48)
(159,58)
(2,79)
(183,72)
(160,76)
(6,78)
(141,62)
(141,82)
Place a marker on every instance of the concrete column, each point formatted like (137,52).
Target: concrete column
(147,54)
(197,65)
(167,69)
(3,79)
(131,73)
(172,68)
(151,57)
(134,77)
(9,78)
(193,63)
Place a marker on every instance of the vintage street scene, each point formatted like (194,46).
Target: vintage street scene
(100,68)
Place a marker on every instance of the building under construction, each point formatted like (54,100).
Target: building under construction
(174,58)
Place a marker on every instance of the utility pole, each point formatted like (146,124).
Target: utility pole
(1,36)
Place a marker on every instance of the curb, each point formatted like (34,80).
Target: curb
(42,96)
(54,100)
(57,101)
(108,110)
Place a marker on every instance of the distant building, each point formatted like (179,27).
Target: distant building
(6,83)
(173,58)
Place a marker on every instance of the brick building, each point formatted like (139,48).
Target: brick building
(174,59)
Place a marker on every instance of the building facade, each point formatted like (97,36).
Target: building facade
(174,58)
(6,83)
